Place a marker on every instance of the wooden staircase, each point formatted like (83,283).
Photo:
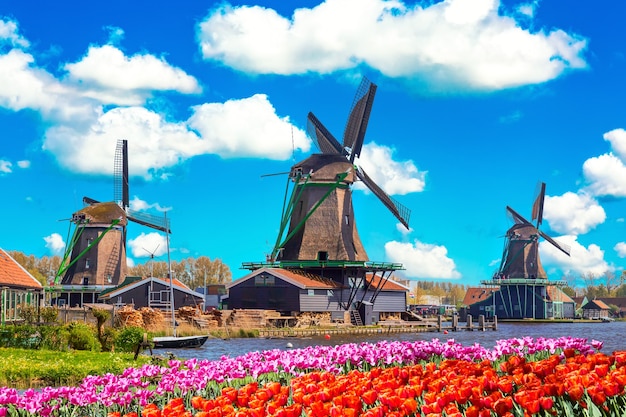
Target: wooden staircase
(355,318)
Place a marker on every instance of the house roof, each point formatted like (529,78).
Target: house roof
(616,301)
(13,275)
(300,279)
(134,282)
(477,294)
(557,294)
(388,285)
(596,305)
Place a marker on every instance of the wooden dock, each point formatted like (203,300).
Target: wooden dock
(385,327)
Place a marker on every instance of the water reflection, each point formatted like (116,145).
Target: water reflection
(612,334)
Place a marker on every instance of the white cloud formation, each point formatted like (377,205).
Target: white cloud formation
(247,127)
(448,45)
(573,213)
(422,260)
(147,244)
(6,167)
(606,174)
(9,34)
(23,164)
(111,77)
(55,243)
(403,230)
(620,248)
(582,260)
(138,204)
(396,178)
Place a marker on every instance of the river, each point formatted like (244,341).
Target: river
(612,334)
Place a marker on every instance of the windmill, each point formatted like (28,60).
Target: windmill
(524,288)
(521,253)
(96,252)
(319,213)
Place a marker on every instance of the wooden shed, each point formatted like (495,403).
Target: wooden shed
(596,309)
(296,291)
(151,292)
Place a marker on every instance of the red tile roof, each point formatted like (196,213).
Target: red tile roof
(388,285)
(557,294)
(13,275)
(476,294)
(306,279)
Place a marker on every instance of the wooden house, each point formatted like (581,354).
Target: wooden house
(596,309)
(540,302)
(17,287)
(151,292)
(618,302)
(295,291)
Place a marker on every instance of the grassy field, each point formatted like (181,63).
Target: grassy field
(23,368)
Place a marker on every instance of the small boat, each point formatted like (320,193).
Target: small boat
(175,342)
(607,319)
(179,342)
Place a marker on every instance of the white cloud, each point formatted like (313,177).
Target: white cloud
(6,167)
(247,127)
(582,260)
(606,174)
(620,248)
(573,213)
(147,244)
(23,164)
(108,75)
(138,204)
(422,260)
(403,230)
(9,34)
(396,178)
(448,45)
(55,243)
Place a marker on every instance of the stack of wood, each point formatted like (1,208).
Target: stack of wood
(127,316)
(153,319)
(187,313)
(311,319)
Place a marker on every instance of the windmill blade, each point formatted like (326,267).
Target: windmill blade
(563,248)
(149,220)
(517,218)
(325,140)
(537,213)
(401,212)
(89,201)
(356,126)
(120,174)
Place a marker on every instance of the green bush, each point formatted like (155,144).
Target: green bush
(54,337)
(107,339)
(128,339)
(49,314)
(83,337)
(19,336)
(28,313)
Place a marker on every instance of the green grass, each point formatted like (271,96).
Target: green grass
(24,368)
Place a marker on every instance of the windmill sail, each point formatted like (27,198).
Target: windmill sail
(356,126)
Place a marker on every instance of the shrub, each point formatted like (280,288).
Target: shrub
(19,336)
(82,337)
(128,339)
(28,313)
(49,314)
(54,337)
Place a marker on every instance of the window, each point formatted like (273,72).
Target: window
(85,280)
(311,292)
(86,263)
(263,280)
(322,256)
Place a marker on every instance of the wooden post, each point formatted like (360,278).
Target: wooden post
(495,323)
(481,322)
(469,322)
(440,322)
(455,322)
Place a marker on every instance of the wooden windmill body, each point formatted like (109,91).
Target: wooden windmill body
(96,253)
(320,213)
(524,287)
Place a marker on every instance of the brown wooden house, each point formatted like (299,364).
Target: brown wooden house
(151,292)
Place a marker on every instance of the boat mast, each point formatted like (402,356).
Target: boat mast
(169,275)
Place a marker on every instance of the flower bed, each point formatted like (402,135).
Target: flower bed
(518,377)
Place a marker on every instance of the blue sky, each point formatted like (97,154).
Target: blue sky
(478,101)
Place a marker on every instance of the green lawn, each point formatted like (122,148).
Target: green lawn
(24,368)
